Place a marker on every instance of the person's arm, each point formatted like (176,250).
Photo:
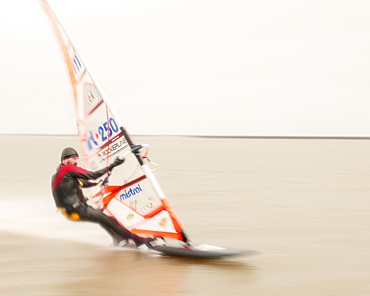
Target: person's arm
(80,173)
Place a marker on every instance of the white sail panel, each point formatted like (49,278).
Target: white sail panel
(126,215)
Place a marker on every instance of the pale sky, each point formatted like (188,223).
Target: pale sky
(201,67)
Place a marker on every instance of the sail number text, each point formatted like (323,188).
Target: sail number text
(104,132)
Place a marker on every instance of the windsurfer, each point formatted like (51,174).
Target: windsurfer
(69,198)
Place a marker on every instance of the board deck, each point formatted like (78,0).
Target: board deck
(199,251)
(180,249)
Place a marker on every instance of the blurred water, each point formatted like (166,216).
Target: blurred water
(303,204)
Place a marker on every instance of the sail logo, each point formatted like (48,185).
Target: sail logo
(104,132)
(163,222)
(91,98)
(130,217)
(113,149)
(132,192)
(77,65)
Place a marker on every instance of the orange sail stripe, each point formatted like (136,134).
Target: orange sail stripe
(107,199)
(175,219)
(153,213)
(157,233)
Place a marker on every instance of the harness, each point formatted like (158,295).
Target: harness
(69,213)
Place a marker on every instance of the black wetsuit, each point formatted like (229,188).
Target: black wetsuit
(68,196)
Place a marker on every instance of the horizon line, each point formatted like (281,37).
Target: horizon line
(211,136)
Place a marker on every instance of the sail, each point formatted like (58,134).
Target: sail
(134,196)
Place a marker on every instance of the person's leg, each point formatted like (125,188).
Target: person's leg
(110,224)
(117,239)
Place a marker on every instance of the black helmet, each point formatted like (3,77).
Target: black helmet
(68,152)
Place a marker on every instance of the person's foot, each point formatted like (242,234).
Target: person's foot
(144,243)
(143,247)
(120,242)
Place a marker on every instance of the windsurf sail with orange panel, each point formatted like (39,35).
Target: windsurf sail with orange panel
(134,197)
